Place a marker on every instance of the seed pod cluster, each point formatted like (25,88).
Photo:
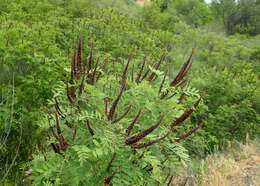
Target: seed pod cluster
(62,143)
(134,139)
(86,72)
(83,72)
(183,71)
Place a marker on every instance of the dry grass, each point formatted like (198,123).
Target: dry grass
(238,168)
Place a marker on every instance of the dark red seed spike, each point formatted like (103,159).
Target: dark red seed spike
(187,113)
(143,145)
(57,107)
(54,134)
(135,120)
(124,76)
(123,115)
(183,74)
(182,83)
(141,135)
(115,103)
(110,162)
(183,71)
(145,75)
(106,101)
(122,88)
(132,73)
(73,66)
(156,67)
(187,134)
(71,91)
(75,133)
(68,92)
(137,80)
(108,179)
(55,148)
(169,97)
(178,77)
(63,143)
(57,123)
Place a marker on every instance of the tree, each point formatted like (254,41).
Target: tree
(242,16)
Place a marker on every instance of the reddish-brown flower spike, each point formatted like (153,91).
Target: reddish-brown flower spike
(183,71)
(75,130)
(147,144)
(145,75)
(106,102)
(115,103)
(123,115)
(56,148)
(57,123)
(110,162)
(73,66)
(71,91)
(141,135)
(124,76)
(122,88)
(108,179)
(139,74)
(57,107)
(79,58)
(135,120)
(63,143)
(187,134)
(182,83)
(187,113)
(132,72)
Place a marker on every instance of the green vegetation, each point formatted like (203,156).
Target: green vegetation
(242,16)
(107,92)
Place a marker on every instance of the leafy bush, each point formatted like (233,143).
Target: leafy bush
(36,39)
(97,126)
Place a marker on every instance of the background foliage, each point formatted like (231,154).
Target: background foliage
(37,39)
